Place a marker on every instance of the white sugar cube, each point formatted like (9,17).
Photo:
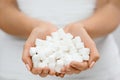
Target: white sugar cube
(42,65)
(62,34)
(51,66)
(59,65)
(67,59)
(72,48)
(59,54)
(55,35)
(85,57)
(49,38)
(84,51)
(47,51)
(77,39)
(61,31)
(51,59)
(42,56)
(58,50)
(77,58)
(39,42)
(69,36)
(79,45)
(87,50)
(33,51)
(35,58)
(64,48)
(35,64)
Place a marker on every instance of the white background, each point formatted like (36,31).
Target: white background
(117,36)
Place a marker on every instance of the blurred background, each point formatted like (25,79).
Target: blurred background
(117,36)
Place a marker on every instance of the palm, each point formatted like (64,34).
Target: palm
(41,32)
(78,30)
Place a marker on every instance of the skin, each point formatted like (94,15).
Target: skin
(40,32)
(105,19)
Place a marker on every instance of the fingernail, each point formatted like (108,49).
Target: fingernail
(92,64)
(28,67)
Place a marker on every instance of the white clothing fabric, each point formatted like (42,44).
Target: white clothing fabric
(59,12)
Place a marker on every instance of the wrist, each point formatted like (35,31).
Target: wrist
(73,26)
(90,26)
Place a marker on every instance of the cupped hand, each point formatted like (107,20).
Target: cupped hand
(77,29)
(41,31)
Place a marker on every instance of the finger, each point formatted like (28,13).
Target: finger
(80,66)
(26,58)
(89,43)
(74,70)
(26,55)
(69,70)
(27,66)
(94,56)
(62,75)
(63,70)
(51,72)
(57,74)
(43,75)
(77,72)
(92,64)
(44,72)
(36,70)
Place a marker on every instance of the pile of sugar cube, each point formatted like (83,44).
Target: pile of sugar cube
(58,50)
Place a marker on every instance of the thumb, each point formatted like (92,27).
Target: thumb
(94,56)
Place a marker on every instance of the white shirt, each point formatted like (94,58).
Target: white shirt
(59,12)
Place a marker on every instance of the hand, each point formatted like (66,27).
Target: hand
(76,29)
(41,31)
